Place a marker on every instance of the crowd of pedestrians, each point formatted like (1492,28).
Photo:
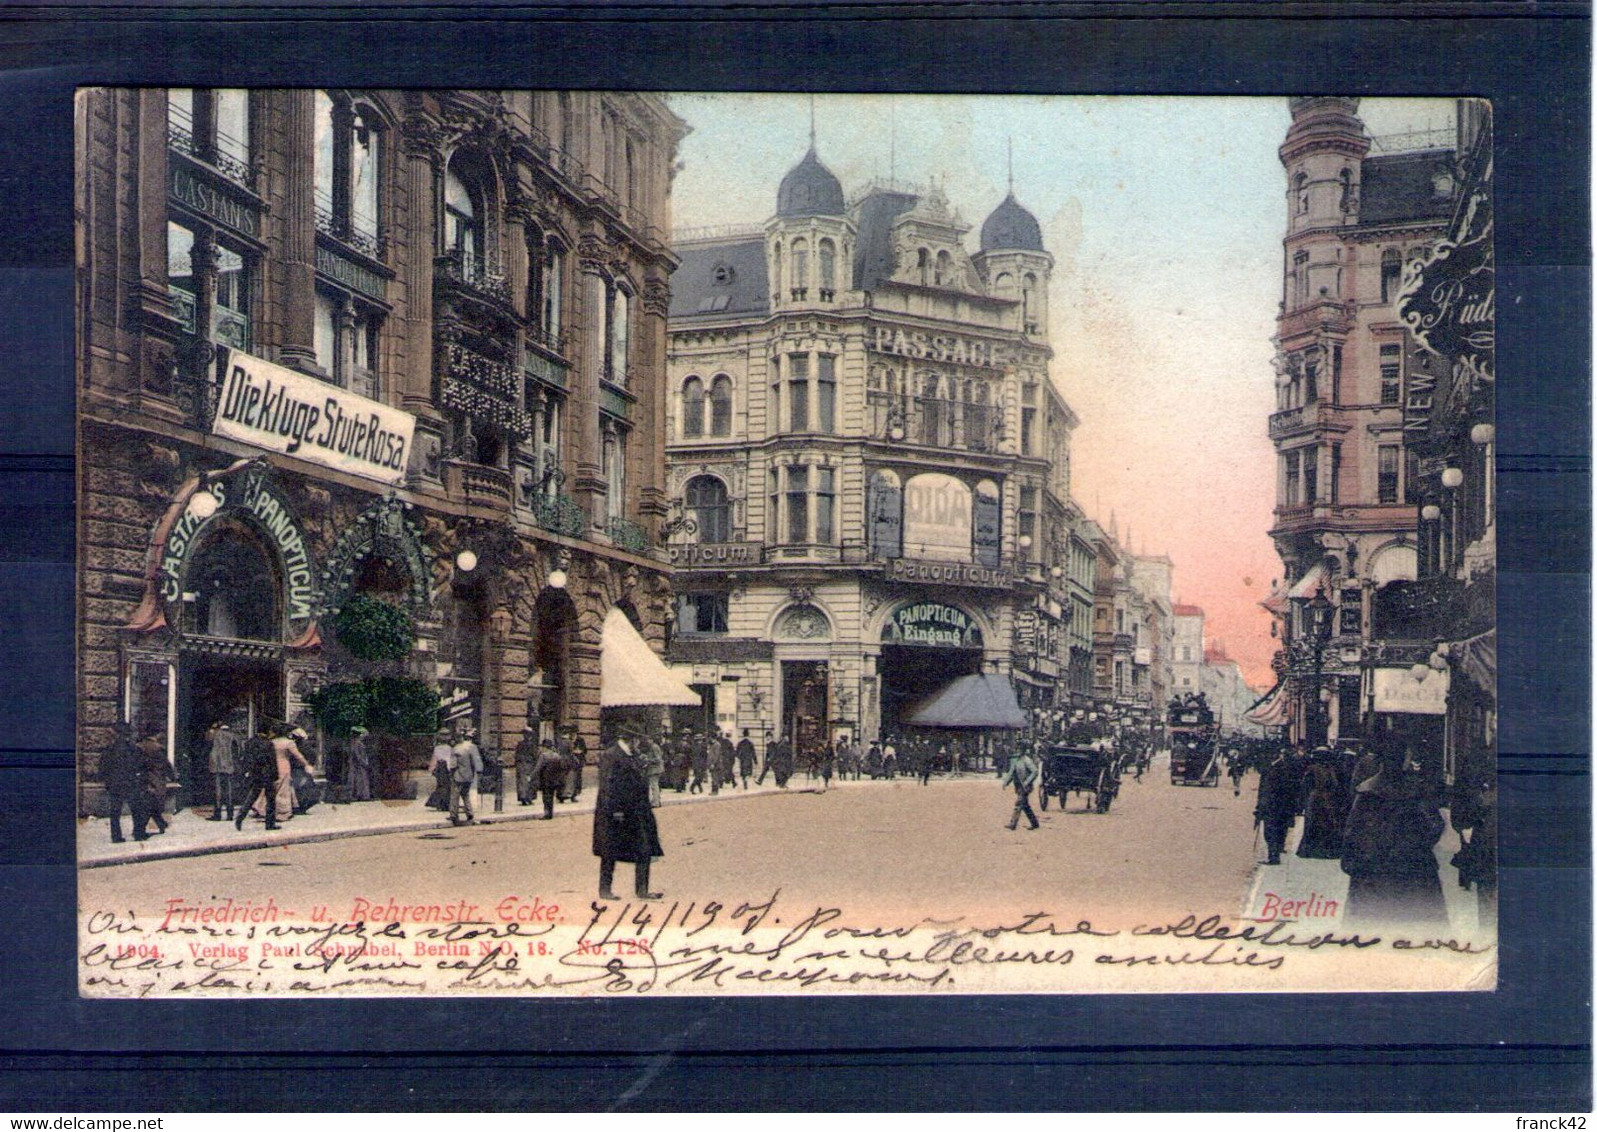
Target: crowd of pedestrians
(1380,816)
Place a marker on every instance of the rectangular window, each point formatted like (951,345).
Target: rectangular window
(1292,496)
(826,393)
(701,614)
(1336,475)
(615,463)
(1028,426)
(1311,476)
(1391,374)
(1336,375)
(1026,518)
(825,501)
(1411,475)
(231,319)
(1386,485)
(1300,279)
(1311,382)
(773,502)
(798,504)
(180,273)
(232,109)
(798,388)
(553,283)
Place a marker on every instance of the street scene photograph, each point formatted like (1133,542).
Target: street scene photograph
(582,543)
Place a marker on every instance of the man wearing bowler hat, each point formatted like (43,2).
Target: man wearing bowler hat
(624,828)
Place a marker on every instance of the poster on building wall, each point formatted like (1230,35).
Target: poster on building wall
(973,432)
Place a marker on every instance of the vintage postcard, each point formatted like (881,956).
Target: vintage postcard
(617,544)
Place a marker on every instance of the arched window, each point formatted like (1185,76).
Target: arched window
(1346,178)
(828,267)
(801,268)
(693,407)
(922,264)
(1300,186)
(721,406)
(705,497)
(1028,303)
(776,268)
(945,269)
(234,582)
(463,221)
(1391,274)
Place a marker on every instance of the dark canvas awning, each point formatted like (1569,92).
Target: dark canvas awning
(969,701)
(1476,658)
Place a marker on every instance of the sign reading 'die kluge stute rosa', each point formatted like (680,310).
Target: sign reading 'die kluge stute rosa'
(264,404)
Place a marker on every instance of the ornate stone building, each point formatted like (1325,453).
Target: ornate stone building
(406,345)
(869,460)
(1357,209)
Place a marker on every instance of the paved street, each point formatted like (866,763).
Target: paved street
(893,847)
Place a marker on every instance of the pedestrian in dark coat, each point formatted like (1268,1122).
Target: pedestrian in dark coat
(724,773)
(443,761)
(624,828)
(1388,851)
(577,762)
(1322,807)
(548,772)
(828,766)
(701,763)
(260,778)
(782,762)
(157,773)
(745,757)
(526,761)
(1022,775)
(1277,806)
(122,769)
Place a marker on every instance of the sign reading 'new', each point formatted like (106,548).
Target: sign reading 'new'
(280,410)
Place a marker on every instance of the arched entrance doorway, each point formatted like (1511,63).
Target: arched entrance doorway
(549,706)
(230,644)
(925,644)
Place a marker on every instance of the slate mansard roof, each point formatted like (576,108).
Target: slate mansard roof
(720,279)
(1399,187)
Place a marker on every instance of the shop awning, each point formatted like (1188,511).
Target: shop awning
(630,675)
(1273,710)
(1476,658)
(969,701)
(1309,584)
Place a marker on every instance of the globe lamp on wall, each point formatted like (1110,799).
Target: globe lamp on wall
(1483,434)
(1430,512)
(1419,672)
(1452,477)
(466,561)
(202,504)
(557,579)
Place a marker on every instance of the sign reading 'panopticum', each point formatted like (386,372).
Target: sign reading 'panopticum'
(277,409)
(932,623)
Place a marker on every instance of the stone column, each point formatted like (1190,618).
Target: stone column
(421,162)
(298,349)
(652,399)
(590,484)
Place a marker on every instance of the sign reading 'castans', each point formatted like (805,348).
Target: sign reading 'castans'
(277,409)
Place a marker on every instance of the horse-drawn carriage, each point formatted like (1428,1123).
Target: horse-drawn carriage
(1070,770)
(1194,742)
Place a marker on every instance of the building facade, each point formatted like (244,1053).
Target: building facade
(1358,210)
(400,347)
(1186,664)
(868,460)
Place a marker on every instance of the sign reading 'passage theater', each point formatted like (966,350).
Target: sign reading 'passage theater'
(278,409)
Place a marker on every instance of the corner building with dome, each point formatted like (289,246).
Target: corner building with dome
(868,464)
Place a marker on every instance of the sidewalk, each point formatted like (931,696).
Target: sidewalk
(191,834)
(1314,891)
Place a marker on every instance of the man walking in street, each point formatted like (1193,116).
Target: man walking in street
(260,778)
(122,769)
(745,757)
(624,827)
(157,773)
(527,750)
(1277,807)
(468,766)
(1022,775)
(547,774)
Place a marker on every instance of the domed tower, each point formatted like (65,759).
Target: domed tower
(809,243)
(1015,264)
(1323,154)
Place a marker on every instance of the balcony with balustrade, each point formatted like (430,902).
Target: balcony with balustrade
(477,484)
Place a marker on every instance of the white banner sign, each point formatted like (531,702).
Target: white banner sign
(1397,691)
(278,409)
